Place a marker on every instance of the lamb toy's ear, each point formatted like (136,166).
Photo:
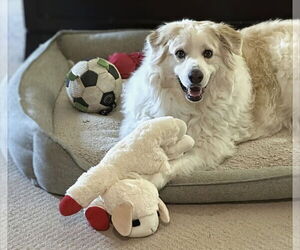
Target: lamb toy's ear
(122,218)
(163,211)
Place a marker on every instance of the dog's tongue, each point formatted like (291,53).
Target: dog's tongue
(195,91)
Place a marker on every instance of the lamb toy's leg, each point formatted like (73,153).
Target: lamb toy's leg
(97,216)
(88,187)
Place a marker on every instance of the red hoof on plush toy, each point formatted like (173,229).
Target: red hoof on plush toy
(68,206)
(98,218)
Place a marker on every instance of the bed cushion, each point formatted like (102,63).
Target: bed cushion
(52,143)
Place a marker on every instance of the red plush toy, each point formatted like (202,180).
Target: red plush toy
(126,63)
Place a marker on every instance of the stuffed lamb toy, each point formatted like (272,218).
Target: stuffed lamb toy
(125,183)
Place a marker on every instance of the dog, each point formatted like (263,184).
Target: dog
(228,85)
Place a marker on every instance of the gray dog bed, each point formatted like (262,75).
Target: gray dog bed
(52,143)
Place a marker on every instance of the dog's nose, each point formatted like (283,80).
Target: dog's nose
(195,76)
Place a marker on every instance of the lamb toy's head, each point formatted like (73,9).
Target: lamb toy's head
(135,207)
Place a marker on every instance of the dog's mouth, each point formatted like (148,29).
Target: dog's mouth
(193,93)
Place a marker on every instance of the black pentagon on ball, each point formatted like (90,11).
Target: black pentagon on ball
(108,99)
(112,70)
(89,78)
(80,101)
(80,104)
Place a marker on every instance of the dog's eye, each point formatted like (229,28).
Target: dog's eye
(207,53)
(136,223)
(180,54)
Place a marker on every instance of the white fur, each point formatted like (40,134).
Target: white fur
(248,85)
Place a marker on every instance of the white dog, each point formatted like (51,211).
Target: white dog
(229,86)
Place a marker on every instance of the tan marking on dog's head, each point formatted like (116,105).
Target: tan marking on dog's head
(231,42)
(230,38)
(163,34)
(158,40)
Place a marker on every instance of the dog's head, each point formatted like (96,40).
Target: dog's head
(193,53)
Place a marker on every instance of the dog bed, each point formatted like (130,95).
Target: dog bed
(52,143)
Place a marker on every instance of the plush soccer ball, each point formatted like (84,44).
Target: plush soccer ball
(94,86)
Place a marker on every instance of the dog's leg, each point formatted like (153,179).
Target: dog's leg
(183,165)
(207,156)
(186,164)
(127,126)
(129,123)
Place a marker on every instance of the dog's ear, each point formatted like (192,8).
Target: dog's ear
(230,38)
(163,34)
(157,41)
(155,44)
(154,39)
